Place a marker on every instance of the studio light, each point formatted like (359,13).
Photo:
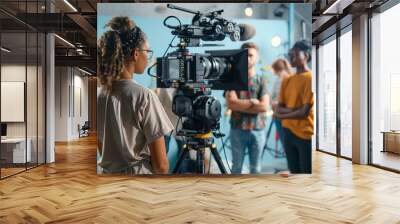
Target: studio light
(248,11)
(276,41)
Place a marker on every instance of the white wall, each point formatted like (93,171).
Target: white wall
(61,103)
(70,83)
(16,73)
(33,127)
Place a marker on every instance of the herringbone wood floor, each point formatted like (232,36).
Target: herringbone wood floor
(69,191)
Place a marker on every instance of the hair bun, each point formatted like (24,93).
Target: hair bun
(121,24)
(303,45)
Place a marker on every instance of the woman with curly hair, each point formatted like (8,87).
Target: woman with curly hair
(131,120)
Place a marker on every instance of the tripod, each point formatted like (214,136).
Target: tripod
(277,154)
(199,143)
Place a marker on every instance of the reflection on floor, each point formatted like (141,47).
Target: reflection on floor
(387,159)
(13,169)
(10,171)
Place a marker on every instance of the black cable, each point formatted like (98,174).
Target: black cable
(169,45)
(173,27)
(149,71)
(165,52)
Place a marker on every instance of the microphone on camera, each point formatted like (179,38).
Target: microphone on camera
(246,31)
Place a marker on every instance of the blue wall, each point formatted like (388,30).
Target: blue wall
(159,38)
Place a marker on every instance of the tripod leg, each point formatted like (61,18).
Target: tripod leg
(218,159)
(182,155)
(266,141)
(200,161)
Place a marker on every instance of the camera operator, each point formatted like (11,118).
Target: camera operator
(248,119)
(131,120)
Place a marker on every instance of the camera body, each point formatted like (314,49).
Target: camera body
(195,75)
(202,110)
(218,70)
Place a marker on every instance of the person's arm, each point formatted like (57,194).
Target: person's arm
(155,124)
(158,155)
(258,106)
(307,101)
(299,113)
(281,109)
(236,104)
(261,104)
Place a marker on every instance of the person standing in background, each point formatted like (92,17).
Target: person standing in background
(295,109)
(282,69)
(248,119)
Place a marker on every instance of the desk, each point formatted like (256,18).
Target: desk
(13,150)
(391,141)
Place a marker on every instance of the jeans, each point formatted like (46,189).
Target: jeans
(254,141)
(298,152)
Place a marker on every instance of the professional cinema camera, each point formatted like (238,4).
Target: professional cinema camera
(194,75)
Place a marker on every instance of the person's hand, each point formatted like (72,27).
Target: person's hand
(276,115)
(254,101)
(228,112)
(232,95)
(157,91)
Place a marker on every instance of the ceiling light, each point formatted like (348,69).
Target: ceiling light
(65,41)
(70,5)
(326,11)
(248,11)
(86,72)
(5,50)
(276,41)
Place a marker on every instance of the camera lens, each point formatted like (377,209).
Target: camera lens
(214,67)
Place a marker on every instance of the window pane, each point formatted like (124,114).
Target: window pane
(386,89)
(346,94)
(327,97)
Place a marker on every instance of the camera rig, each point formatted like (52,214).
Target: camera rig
(195,75)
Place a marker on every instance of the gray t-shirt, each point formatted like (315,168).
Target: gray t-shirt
(129,119)
(166,96)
